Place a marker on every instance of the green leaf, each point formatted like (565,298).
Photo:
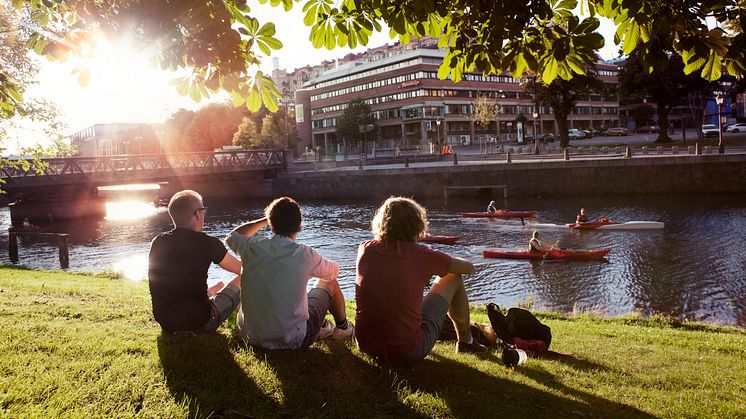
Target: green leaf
(254,102)
(713,70)
(631,38)
(520,66)
(551,69)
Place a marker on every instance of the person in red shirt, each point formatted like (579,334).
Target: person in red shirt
(393,319)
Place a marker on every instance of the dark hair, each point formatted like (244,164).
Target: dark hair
(182,205)
(399,219)
(284,216)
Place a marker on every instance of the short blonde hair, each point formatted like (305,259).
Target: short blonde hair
(399,219)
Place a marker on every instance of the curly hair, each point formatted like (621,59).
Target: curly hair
(399,219)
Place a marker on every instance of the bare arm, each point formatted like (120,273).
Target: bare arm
(461,266)
(231,264)
(252,227)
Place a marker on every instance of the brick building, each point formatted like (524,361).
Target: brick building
(414,108)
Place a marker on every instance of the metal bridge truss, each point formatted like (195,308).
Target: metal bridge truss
(141,167)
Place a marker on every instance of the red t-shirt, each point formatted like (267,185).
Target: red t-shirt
(391,279)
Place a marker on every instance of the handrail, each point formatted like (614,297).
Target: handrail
(207,161)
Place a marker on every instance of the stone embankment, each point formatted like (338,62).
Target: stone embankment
(639,175)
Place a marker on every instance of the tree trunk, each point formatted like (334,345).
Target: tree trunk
(663,124)
(562,127)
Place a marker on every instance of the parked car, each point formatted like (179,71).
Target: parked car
(617,131)
(576,134)
(740,127)
(647,128)
(710,130)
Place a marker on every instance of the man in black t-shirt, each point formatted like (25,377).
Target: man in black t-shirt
(177,271)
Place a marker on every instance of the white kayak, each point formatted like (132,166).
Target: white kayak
(608,225)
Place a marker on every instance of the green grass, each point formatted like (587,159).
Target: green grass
(84,346)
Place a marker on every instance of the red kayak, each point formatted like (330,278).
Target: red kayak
(427,238)
(554,254)
(499,214)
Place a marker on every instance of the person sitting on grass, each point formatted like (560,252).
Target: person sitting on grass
(491,208)
(276,312)
(177,272)
(393,319)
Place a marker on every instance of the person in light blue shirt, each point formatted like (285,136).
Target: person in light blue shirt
(276,311)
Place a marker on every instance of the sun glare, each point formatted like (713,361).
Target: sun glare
(134,268)
(122,85)
(129,210)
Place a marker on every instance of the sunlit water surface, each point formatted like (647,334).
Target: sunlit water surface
(693,269)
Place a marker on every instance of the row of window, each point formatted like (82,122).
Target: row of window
(375,84)
(371,72)
(420,75)
(435,112)
(441,93)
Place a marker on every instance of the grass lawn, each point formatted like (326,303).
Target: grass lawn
(79,345)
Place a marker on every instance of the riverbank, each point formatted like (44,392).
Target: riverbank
(79,345)
(589,175)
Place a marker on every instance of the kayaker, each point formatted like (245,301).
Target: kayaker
(535,245)
(582,217)
(491,208)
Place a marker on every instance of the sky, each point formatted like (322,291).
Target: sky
(125,88)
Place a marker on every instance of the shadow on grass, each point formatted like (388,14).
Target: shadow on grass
(469,392)
(202,374)
(328,380)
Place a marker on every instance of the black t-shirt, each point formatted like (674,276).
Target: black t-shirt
(177,275)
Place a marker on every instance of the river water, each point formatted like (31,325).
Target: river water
(695,268)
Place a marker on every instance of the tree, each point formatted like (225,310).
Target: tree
(247,135)
(17,74)
(642,114)
(356,114)
(206,129)
(666,86)
(266,130)
(220,40)
(485,110)
(562,95)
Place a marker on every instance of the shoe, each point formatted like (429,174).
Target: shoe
(326,330)
(340,334)
(473,347)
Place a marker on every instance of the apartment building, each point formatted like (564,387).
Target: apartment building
(413,108)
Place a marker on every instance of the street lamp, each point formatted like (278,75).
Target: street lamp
(536,137)
(437,122)
(719,101)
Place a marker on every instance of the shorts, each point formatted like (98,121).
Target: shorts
(434,311)
(319,301)
(222,305)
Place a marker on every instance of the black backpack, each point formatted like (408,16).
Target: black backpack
(517,323)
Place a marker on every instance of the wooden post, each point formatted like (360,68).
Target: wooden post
(507,155)
(406,161)
(13,246)
(64,254)
(455,159)
(566,153)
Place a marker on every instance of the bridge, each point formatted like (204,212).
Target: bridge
(142,168)
(68,187)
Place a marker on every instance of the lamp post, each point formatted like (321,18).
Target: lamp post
(719,101)
(437,122)
(536,137)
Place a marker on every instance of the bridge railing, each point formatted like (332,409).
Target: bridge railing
(199,161)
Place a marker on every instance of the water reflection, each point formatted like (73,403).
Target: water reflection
(695,268)
(129,210)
